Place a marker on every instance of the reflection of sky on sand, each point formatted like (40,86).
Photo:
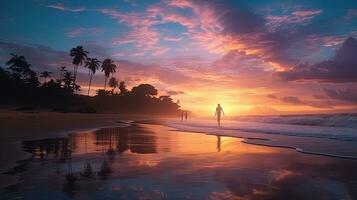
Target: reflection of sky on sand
(151,162)
(333,141)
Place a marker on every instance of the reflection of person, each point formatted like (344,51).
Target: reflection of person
(219,112)
(218,143)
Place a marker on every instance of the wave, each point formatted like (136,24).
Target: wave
(335,133)
(331,120)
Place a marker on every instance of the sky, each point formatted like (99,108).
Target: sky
(254,57)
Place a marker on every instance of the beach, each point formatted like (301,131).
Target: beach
(16,127)
(156,161)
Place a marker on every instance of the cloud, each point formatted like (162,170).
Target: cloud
(297,17)
(272,96)
(316,96)
(96,50)
(144,37)
(173,93)
(351,13)
(217,26)
(138,72)
(172,38)
(341,68)
(61,7)
(347,95)
(226,26)
(291,99)
(263,110)
(165,14)
(84,31)
(297,101)
(39,56)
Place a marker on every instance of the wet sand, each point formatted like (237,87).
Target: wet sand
(18,126)
(153,162)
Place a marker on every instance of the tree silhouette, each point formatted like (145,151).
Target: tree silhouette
(93,65)
(21,70)
(19,84)
(108,67)
(122,88)
(68,80)
(62,70)
(113,83)
(144,90)
(79,56)
(18,66)
(45,75)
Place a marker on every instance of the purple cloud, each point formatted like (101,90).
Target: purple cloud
(297,101)
(39,56)
(341,68)
(296,17)
(347,95)
(84,31)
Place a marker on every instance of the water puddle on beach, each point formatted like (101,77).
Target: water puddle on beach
(152,162)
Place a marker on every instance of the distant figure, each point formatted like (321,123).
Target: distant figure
(182,114)
(186,115)
(219,112)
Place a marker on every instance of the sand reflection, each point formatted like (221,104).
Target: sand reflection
(153,162)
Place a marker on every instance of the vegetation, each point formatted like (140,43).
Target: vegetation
(79,56)
(108,67)
(93,65)
(45,75)
(20,86)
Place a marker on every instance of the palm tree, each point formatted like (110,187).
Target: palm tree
(79,56)
(93,65)
(62,70)
(108,67)
(113,83)
(67,80)
(45,75)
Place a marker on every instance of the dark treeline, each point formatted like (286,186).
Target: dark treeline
(21,86)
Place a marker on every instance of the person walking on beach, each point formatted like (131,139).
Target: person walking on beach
(219,112)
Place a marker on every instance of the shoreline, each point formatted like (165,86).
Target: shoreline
(298,150)
(11,143)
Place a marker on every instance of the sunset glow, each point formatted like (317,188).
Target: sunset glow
(253,57)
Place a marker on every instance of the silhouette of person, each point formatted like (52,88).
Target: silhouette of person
(186,115)
(182,114)
(219,112)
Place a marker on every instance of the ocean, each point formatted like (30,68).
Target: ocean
(329,135)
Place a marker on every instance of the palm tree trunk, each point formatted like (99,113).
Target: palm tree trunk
(74,74)
(105,83)
(90,82)
(74,77)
